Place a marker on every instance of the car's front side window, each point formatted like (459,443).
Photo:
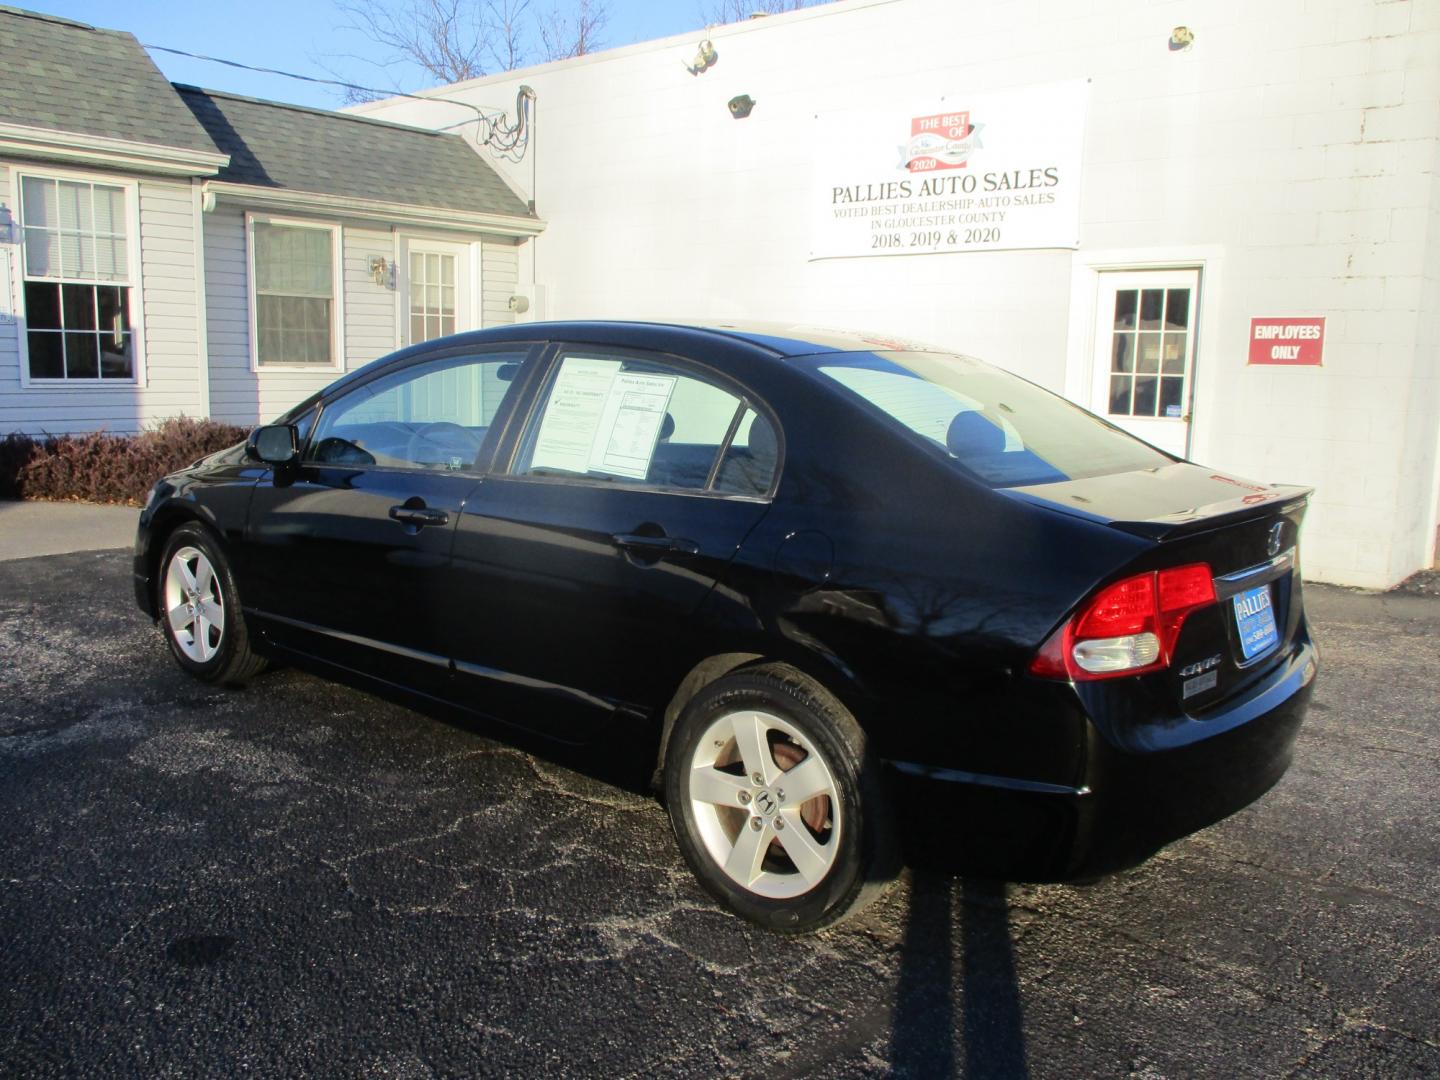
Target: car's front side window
(643,422)
(431,416)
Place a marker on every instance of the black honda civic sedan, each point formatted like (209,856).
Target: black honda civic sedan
(835,584)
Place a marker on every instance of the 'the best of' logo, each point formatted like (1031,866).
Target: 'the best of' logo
(941,141)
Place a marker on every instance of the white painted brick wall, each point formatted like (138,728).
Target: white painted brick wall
(1297,140)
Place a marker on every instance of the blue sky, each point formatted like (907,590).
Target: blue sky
(302,36)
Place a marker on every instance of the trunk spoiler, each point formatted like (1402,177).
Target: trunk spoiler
(1284,500)
(1177,500)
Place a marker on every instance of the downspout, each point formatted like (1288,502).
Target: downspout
(202,300)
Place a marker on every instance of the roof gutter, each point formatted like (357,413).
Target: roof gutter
(21,140)
(431,217)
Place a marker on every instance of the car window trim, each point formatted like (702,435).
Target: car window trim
(725,442)
(484,457)
(503,464)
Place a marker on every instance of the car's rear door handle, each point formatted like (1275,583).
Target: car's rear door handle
(419,516)
(655,546)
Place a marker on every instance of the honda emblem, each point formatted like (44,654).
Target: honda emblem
(1277,533)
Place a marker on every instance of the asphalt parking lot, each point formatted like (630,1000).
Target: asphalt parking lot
(303,879)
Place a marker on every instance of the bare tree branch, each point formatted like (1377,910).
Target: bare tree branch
(441,37)
(563,36)
(716,12)
(507,47)
(455,40)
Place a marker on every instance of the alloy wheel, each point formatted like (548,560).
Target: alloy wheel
(194,604)
(765,804)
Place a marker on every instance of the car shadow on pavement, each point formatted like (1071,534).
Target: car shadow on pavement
(989,1021)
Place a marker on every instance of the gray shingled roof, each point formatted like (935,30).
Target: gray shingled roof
(66,76)
(298,149)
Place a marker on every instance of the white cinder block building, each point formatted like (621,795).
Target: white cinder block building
(1226,237)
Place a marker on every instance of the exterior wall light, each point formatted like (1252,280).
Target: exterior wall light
(1181,38)
(384,272)
(740,106)
(705,58)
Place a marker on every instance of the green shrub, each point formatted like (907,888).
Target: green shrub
(100,467)
(16,451)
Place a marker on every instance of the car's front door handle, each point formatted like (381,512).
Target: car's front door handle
(419,516)
(655,546)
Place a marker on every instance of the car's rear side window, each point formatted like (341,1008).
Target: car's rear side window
(748,465)
(644,422)
(1004,430)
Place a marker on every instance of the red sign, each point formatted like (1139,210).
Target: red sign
(942,141)
(1287,341)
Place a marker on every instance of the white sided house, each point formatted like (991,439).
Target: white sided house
(1216,223)
(171,251)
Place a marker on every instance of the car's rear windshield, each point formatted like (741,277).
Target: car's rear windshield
(1004,430)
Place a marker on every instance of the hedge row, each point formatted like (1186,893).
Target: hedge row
(100,467)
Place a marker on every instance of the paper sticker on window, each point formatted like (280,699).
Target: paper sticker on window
(572,415)
(600,419)
(1172,410)
(630,425)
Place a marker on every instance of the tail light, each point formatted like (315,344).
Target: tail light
(1127,628)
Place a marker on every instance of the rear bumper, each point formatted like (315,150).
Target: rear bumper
(1126,806)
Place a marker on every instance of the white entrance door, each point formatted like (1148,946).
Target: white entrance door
(1145,353)
(438,292)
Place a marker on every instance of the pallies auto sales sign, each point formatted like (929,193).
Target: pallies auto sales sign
(978,172)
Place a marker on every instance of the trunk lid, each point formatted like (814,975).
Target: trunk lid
(1163,502)
(1246,532)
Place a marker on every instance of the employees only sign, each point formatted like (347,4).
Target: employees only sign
(1287,341)
(981,172)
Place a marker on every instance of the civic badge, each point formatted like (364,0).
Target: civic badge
(1277,532)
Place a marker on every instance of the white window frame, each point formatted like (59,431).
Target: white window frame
(1208,373)
(474,293)
(134,282)
(337,282)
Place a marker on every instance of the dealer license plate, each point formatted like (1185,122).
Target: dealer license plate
(1255,619)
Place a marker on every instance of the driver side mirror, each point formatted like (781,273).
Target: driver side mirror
(274,444)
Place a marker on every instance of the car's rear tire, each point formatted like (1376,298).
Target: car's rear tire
(793,861)
(199,607)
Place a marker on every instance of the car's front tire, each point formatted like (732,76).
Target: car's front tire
(200,612)
(776,801)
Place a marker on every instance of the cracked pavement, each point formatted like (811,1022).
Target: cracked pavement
(303,879)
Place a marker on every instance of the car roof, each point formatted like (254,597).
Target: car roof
(778,338)
(806,339)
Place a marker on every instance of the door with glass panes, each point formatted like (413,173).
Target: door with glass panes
(437,291)
(1145,354)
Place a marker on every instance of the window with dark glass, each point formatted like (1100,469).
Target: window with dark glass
(624,420)
(76,280)
(431,416)
(1147,356)
(1000,428)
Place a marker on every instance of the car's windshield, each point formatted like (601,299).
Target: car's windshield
(1004,430)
